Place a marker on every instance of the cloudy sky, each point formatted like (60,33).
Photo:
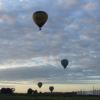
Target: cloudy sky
(71,32)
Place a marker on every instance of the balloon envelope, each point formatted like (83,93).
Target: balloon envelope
(51,88)
(40,84)
(64,63)
(40,18)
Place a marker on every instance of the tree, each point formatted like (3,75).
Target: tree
(29,91)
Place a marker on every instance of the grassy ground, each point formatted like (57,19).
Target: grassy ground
(22,97)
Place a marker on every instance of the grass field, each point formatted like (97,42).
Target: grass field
(22,97)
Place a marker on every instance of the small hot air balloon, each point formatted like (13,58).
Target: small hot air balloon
(64,63)
(40,18)
(39,84)
(51,88)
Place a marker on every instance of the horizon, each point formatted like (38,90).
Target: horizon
(24,86)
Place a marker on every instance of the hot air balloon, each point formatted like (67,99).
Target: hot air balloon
(39,84)
(51,88)
(64,63)
(40,18)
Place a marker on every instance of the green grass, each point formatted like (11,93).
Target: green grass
(22,97)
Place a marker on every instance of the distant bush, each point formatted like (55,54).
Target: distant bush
(29,91)
(7,90)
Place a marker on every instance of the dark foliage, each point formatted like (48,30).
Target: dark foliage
(7,90)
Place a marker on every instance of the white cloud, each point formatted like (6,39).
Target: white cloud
(1,6)
(90,6)
(67,3)
(33,62)
(7,19)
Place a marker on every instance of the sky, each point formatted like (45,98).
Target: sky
(28,55)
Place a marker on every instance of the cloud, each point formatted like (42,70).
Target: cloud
(1,6)
(50,74)
(27,73)
(6,19)
(67,3)
(32,62)
(90,6)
